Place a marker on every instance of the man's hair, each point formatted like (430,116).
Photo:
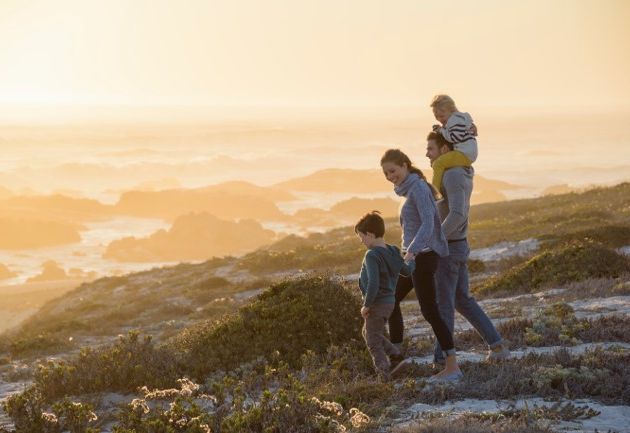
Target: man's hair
(443,102)
(440,140)
(371,222)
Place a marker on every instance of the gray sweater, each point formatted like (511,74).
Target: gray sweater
(419,218)
(457,185)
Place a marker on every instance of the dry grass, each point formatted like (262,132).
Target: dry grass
(471,424)
(603,375)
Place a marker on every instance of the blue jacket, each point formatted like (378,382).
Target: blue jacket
(379,275)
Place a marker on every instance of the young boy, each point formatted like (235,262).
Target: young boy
(457,128)
(379,274)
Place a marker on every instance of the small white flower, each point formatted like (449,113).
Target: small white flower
(358,419)
(332,407)
(138,403)
(50,418)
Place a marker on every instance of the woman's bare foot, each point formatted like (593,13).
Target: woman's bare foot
(450,368)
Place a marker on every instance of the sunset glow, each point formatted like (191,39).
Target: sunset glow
(492,54)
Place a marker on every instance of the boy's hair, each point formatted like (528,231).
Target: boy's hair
(440,140)
(371,222)
(443,102)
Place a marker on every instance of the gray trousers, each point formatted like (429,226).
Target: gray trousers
(453,294)
(377,343)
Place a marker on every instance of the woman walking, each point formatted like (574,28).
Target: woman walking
(422,243)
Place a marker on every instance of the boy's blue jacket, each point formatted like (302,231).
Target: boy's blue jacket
(379,274)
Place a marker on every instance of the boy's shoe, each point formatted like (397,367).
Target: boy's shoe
(499,353)
(453,377)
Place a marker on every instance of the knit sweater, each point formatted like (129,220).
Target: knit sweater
(419,218)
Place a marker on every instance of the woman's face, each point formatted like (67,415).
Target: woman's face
(395,173)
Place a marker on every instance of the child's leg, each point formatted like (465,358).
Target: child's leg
(390,348)
(446,161)
(374,334)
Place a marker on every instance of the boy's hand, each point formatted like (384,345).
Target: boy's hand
(436,128)
(473,129)
(365,312)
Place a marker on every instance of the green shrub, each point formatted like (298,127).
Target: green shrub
(516,220)
(557,322)
(613,236)
(25,410)
(30,414)
(568,263)
(291,317)
(182,415)
(126,365)
(27,344)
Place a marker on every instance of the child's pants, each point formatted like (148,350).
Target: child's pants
(378,344)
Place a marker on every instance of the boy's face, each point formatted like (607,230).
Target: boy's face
(367,239)
(441,115)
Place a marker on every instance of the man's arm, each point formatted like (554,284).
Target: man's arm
(456,199)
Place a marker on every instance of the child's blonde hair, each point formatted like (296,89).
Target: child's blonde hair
(443,102)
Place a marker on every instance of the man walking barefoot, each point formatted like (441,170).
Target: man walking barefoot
(452,272)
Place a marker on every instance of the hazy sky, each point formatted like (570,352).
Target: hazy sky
(486,53)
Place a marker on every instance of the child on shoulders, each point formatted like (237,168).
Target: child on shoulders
(457,128)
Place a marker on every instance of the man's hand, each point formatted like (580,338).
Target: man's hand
(365,312)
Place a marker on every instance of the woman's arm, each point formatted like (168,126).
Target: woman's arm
(423,202)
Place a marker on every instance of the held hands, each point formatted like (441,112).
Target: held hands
(409,257)
(365,312)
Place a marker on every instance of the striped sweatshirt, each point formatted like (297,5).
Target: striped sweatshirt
(458,130)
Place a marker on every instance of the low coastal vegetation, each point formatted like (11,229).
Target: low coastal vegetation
(570,262)
(261,370)
(230,345)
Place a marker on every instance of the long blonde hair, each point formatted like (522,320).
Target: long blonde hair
(398,157)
